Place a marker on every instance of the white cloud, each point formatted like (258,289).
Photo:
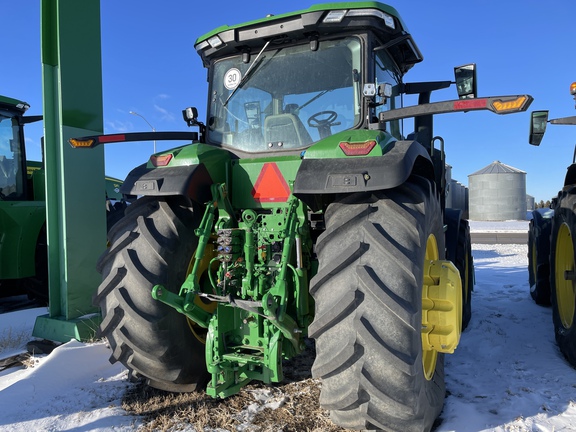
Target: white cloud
(165,114)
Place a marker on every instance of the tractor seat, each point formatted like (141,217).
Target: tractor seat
(286,129)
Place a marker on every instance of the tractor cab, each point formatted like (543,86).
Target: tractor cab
(285,83)
(12,155)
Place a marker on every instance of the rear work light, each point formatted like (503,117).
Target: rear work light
(357,148)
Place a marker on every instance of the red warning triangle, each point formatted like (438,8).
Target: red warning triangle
(270,185)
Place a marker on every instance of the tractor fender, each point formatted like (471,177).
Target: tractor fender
(570,178)
(189,180)
(20,229)
(361,174)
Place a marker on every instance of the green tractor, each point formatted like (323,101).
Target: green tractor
(23,248)
(552,246)
(299,211)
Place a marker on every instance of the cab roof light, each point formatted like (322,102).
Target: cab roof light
(357,148)
(215,41)
(573,88)
(334,16)
(388,19)
(337,16)
(202,46)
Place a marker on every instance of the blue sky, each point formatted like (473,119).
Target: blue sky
(150,67)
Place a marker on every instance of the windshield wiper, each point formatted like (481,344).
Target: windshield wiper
(247,74)
(319,95)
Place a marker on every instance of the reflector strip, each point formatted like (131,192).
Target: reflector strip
(111,138)
(465,104)
(270,185)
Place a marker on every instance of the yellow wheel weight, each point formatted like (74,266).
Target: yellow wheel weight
(441,307)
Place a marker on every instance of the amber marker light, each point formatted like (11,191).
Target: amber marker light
(357,148)
(74,142)
(509,106)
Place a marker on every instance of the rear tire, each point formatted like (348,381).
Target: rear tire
(465,265)
(368,294)
(563,247)
(153,244)
(539,231)
(114,213)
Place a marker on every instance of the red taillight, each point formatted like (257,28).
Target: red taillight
(161,160)
(357,148)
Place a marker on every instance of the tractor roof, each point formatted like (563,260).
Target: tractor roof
(316,21)
(13,106)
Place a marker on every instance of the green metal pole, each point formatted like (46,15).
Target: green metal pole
(75,186)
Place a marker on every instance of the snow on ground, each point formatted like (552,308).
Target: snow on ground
(499,226)
(73,388)
(506,375)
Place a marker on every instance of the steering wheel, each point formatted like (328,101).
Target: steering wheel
(316,122)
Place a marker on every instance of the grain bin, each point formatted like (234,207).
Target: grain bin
(497,192)
(530,202)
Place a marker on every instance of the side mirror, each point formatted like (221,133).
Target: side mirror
(538,122)
(466,81)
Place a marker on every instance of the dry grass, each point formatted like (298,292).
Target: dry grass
(13,339)
(294,409)
(30,362)
(291,406)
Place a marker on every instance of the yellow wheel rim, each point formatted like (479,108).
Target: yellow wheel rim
(466,285)
(200,332)
(564,263)
(429,357)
